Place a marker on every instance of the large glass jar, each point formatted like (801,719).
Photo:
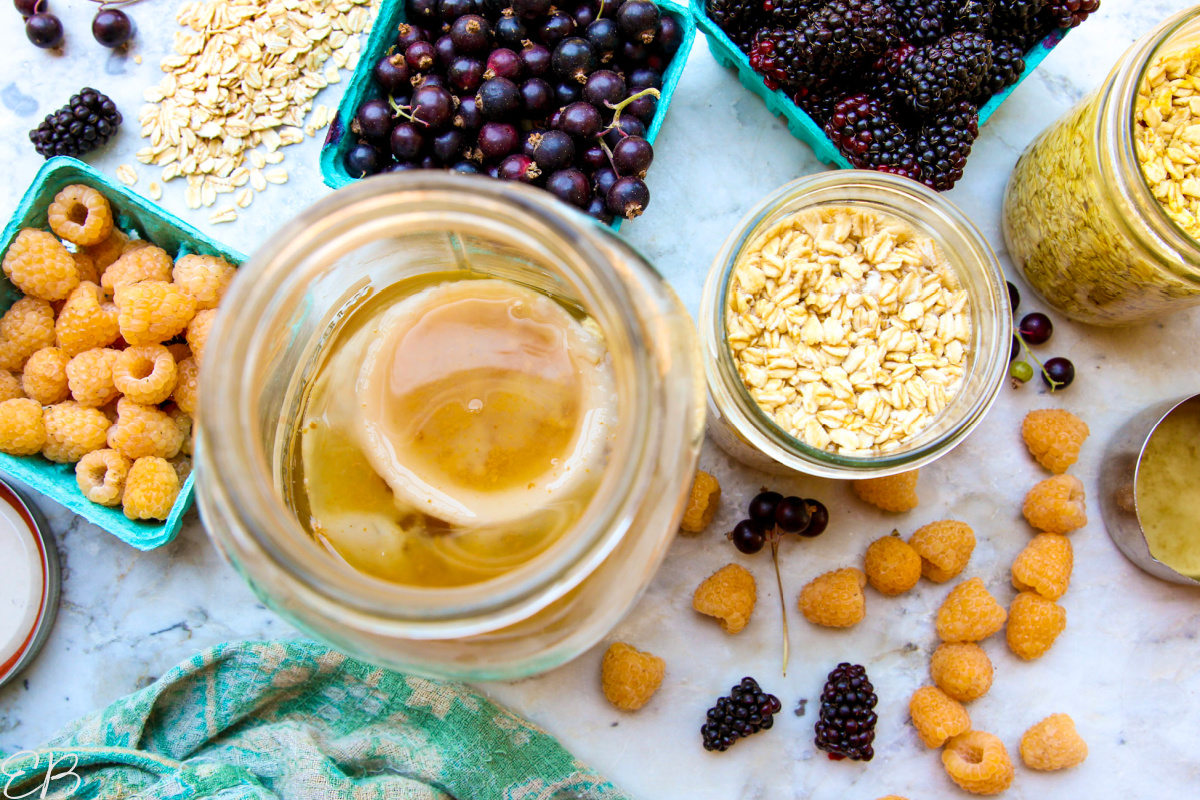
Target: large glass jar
(1079,216)
(286,306)
(743,429)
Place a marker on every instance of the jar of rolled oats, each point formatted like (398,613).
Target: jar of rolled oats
(1103,209)
(854,325)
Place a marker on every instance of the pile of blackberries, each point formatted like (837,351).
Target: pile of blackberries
(744,712)
(89,120)
(523,90)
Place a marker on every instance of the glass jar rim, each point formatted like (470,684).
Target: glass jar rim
(1162,233)
(748,417)
(523,214)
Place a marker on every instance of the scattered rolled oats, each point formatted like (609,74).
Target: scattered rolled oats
(226,214)
(154,191)
(241,81)
(848,327)
(127,175)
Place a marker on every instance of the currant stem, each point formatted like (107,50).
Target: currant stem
(619,107)
(1053,383)
(404,112)
(782,602)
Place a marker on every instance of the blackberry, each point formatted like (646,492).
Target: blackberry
(1008,62)
(972,16)
(1069,13)
(884,76)
(868,135)
(943,144)
(773,55)
(952,68)
(789,12)
(1024,32)
(745,711)
(739,19)
(89,120)
(920,20)
(843,32)
(846,727)
(819,101)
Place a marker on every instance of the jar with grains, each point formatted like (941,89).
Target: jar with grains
(1102,212)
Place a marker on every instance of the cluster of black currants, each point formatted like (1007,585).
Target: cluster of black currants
(111,27)
(1036,329)
(772,514)
(523,90)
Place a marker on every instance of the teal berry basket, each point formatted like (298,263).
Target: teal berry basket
(137,216)
(383,33)
(801,125)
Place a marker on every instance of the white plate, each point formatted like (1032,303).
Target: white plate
(29,583)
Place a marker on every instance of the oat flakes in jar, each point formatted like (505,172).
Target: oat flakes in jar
(1102,212)
(854,325)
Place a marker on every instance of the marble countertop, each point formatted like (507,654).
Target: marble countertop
(1126,668)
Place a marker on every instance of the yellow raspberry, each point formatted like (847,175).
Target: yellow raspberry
(978,762)
(937,716)
(894,493)
(205,278)
(40,266)
(108,251)
(962,670)
(197,333)
(630,677)
(73,431)
(86,321)
(81,215)
(187,386)
(25,328)
(101,476)
(969,613)
(183,467)
(22,427)
(1053,744)
(145,374)
(835,599)
(945,548)
(1044,566)
(150,489)
(151,312)
(183,421)
(1056,505)
(1033,624)
(1054,437)
(148,263)
(702,502)
(729,595)
(892,566)
(45,376)
(86,266)
(144,431)
(90,376)
(10,386)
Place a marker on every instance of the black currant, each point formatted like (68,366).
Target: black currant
(597,208)
(465,74)
(531,8)
(28,8)
(604,86)
(450,10)
(375,120)
(585,14)
(519,167)
(498,98)
(632,156)
(594,157)
(639,20)
(556,28)
(763,505)
(552,150)
(468,117)
(504,63)
(573,59)
(536,59)
(1014,296)
(112,27)
(510,32)
(432,105)
(1015,350)
(423,12)
(581,120)
(792,515)
(627,125)
(538,97)
(571,186)
(1036,328)
(44,30)
(362,160)
(420,56)
(497,140)
(748,536)
(670,35)
(471,34)
(392,74)
(605,38)
(448,145)
(629,196)
(566,93)
(465,168)
(643,108)
(1059,370)
(645,78)
(408,34)
(818,518)
(443,48)
(407,141)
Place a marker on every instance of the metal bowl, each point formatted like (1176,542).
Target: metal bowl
(1118,495)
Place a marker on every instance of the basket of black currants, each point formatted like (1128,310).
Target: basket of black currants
(567,97)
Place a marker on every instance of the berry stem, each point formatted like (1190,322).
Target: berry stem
(405,112)
(619,107)
(782,602)
(1053,383)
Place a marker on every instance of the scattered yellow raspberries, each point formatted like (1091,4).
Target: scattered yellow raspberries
(702,503)
(937,716)
(1054,437)
(729,594)
(1056,505)
(81,215)
(892,566)
(962,670)
(40,266)
(969,613)
(978,762)
(630,677)
(893,493)
(1053,744)
(835,599)
(945,548)
(1044,566)
(1033,624)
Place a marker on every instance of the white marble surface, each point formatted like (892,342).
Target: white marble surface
(1126,668)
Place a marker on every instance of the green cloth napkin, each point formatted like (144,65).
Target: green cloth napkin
(296,720)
